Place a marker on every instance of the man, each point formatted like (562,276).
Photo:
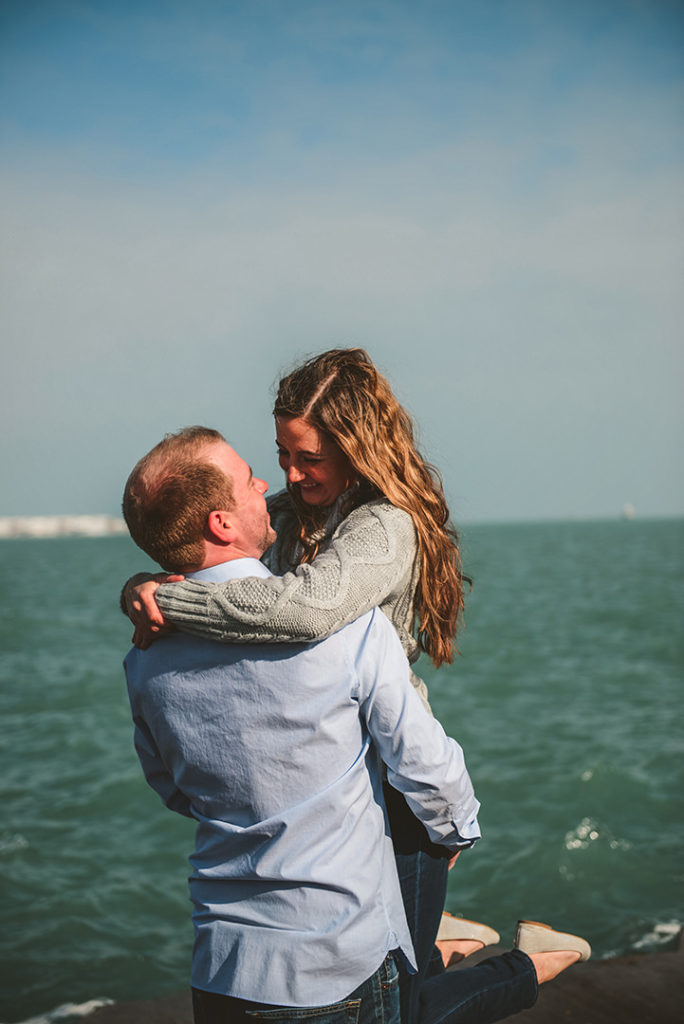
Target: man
(274,751)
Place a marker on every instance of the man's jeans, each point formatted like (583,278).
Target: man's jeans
(494,989)
(376,1001)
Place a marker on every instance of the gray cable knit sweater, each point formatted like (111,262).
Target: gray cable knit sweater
(369,560)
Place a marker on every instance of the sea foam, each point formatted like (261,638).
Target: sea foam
(69,1011)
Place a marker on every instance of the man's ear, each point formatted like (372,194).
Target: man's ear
(220,526)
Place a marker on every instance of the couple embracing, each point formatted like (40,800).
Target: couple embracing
(274,703)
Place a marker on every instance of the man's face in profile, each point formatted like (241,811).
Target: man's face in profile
(249,514)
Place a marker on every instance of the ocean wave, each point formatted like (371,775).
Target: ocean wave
(663,933)
(69,1011)
(13,843)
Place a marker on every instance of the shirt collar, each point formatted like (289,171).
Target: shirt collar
(235,569)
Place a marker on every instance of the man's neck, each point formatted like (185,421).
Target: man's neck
(230,568)
(227,554)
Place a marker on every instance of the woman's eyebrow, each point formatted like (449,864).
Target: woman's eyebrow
(301,451)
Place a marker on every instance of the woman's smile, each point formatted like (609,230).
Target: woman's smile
(311,461)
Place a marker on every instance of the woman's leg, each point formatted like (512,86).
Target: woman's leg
(492,990)
(422,867)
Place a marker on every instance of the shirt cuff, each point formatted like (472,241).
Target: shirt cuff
(466,836)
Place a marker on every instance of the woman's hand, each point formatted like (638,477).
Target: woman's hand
(138,601)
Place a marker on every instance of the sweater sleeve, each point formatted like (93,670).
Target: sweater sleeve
(369,560)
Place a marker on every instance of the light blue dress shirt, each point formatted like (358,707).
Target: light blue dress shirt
(272,749)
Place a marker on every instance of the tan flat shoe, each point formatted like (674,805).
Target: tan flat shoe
(535,937)
(451,927)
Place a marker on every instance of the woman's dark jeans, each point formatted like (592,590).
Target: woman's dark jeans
(422,867)
(490,991)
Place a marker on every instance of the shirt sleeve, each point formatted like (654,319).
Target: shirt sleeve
(370,556)
(423,763)
(155,771)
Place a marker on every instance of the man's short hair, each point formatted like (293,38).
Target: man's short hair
(169,495)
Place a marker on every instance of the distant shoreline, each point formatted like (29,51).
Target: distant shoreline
(101,525)
(61,526)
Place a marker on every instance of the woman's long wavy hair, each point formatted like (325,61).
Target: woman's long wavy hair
(341,393)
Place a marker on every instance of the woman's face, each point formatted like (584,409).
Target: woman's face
(311,461)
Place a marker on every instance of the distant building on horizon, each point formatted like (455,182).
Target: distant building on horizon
(61,526)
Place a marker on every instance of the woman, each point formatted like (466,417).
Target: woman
(363,522)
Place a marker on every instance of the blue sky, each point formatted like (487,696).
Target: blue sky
(488,196)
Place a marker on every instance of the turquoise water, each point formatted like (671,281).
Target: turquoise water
(566,698)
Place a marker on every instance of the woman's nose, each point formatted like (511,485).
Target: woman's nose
(294,475)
